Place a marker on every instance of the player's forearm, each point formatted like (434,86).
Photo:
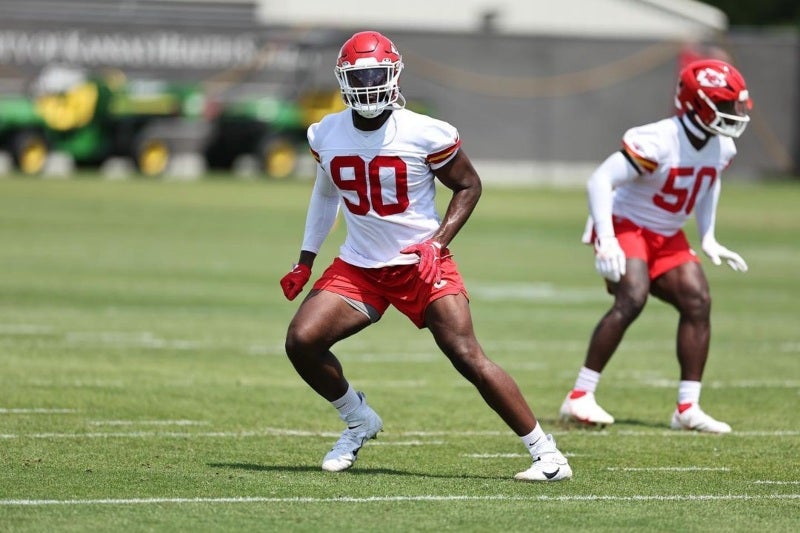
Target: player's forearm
(460,208)
(706,212)
(612,172)
(307,258)
(600,195)
(322,210)
(318,226)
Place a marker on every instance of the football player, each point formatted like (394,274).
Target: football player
(378,162)
(639,200)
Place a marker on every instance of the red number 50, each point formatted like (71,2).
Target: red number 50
(366,183)
(674,197)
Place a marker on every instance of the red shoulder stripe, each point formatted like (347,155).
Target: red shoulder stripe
(314,154)
(442,155)
(644,163)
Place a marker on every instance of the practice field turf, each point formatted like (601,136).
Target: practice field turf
(144,387)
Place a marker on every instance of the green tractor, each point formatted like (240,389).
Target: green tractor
(23,133)
(269,129)
(94,118)
(259,111)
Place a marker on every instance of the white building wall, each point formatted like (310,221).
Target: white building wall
(667,19)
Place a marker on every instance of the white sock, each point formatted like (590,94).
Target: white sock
(534,438)
(587,380)
(689,392)
(347,403)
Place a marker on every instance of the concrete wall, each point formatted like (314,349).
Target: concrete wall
(531,108)
(568,100)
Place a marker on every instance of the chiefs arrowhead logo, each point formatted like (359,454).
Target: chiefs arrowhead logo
(708,77)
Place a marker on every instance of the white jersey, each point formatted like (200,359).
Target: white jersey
(676,176)
(384,180)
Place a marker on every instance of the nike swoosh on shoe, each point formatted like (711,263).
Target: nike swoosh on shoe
(551,475)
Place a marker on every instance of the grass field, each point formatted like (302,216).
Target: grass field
(143,385)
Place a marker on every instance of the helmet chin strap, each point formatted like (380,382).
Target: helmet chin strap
(400,103)
(369,114)
(693,128)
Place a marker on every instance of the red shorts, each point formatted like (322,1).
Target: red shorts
(661,253)
(399,286)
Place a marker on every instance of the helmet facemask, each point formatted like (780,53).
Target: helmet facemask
(730,117)
(369,89)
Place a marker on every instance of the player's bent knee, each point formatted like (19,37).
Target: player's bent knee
(696,305)
(299,340)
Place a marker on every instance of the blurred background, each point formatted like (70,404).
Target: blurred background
(540,91)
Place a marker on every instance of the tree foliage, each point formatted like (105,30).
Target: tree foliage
(759,13)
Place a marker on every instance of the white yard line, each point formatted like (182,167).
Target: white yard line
(664,383)
(25,329)
(669,469)
(283,432)
(149,423)
(508,455)
(140,339)
(537,292)
(407,442)
(423,498)
(673,433)
(494,455)
(34,411)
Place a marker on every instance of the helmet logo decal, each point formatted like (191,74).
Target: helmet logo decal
(709,77)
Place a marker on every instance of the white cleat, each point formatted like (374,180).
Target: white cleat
(362,424)
(695,419)
(584,409)
(548,465)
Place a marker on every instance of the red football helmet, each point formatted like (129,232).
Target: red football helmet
(716,92)
(368,70)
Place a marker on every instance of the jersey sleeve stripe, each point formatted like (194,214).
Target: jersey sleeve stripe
(630,160)
(646,164)
(314,154)
(442,155)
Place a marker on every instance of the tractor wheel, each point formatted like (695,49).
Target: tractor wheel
(152,156)
(279,157)
(30,152)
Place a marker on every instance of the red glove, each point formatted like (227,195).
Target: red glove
(293,282)
(430,256)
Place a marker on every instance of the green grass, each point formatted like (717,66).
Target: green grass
(143,385)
